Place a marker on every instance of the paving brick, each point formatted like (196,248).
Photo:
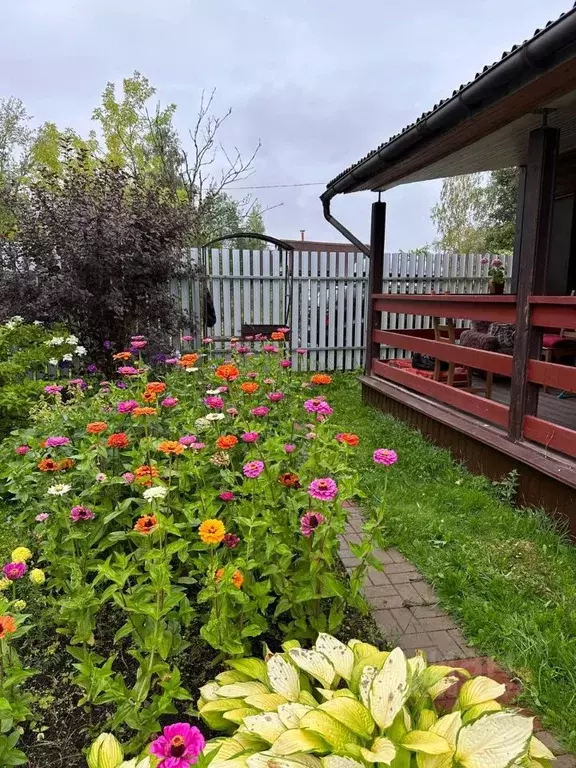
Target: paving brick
(426,592)
(382,590)
(383,557)
(395,555)
(387,625)
(406,621)
(404,578)
(409,594)
(426,611)
(377,577)
(416,641)
(447,646)
(353,537)
(565,761)
(438,622)
(432,654)
(386,601)
(551,742)
(404,567)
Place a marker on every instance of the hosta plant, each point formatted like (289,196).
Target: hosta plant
(347,706)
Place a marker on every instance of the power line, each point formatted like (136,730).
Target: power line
(284,186)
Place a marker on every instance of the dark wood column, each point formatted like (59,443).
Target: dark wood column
(532,259)
(377,236)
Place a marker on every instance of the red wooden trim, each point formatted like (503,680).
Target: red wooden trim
(450,353)
(552,375)
(566,301)
(465,401)
(551,435)
(464,307)
(443,298)
(545,315)
(425,333)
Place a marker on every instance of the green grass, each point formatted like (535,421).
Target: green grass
(507,575)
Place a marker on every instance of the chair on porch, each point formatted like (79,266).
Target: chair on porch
(556,346)
(446,332)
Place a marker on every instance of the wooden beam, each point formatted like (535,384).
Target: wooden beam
(499,309)
(518,228)
(551,435)
(533,259)
(377,236)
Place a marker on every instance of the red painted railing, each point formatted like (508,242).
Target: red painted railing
(546,312)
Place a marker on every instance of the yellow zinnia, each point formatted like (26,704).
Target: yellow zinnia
(212,531)
(21,554)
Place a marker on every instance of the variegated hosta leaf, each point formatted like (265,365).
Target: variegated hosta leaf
(441,686)
(480,709)
(212,712)
(235,762)
(231,676)
(352,714)
(365,686)
(291,714)
(241,690)
(249,741)
(255,669)
(335,761)
(267,725)
(540,751)
(341,693)
(435,672)
(375,660)
(209,692)
(267,702)
(426,741)
(316,664)
(381,751)
(416,665)
(237,715)
(268,759)
(339,655)
(426,719)
(307,699)
(284,678)
(493,741)
(448,727)
(336,734)
(389,689)
(478,690)
(361,650)
(228,749)
(298,740)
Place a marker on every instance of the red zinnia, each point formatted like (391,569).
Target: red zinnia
(118,440)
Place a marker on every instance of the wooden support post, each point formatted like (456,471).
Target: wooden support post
(518,228)
(532,266)
(377,234)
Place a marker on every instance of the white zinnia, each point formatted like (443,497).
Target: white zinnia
(191,370)
(213,391)
(201,424)
(215,416)
(67,357)
(53,361)
(72,340)
(59,489)
(80,350)
(156,492)
(55,341)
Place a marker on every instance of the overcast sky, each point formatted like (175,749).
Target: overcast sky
(320,82)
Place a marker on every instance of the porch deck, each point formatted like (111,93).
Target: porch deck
(550,407)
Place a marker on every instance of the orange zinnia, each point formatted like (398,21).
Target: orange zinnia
(66,464)
(118,440)
(226,441)
(122,356)
(144,411)
(95,427)
(219,575)
(290,480)
(277,336)
(149,396)
(188,360)
(7,626)
(321,378)
(146,524)
(145,474)
(349,439)
(249,387)
(211,531)
(237,577)
(156,386)
(227,371)
(171,446)
(48,465)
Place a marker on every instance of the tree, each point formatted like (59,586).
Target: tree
(96,250)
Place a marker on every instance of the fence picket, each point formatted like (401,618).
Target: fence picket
(315,288)
(322,355)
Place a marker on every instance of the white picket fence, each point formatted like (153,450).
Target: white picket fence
(322,294)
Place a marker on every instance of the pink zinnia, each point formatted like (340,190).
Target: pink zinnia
(260,410)
(230,540)
(137,338)
(14,571)
(56,442)
(242,350)
(171,360)
(52,389)
(226,496)
(126,406)
(250,437)
(179,746)
(128,477)
(309,522)
(252,374)
(78,513)
(275,397)
(197,446)
(286,363)
(207,340)
(310,435)
(289,447)
(187,338)
(128,370)
(496,262)
(323,489)
(301,351)
(253,468)
(100,477)
(135,344)
(272,349)
(318,406)
(214,402)
(385,456)
(22,450)
(169,402)
(269,381)
(187,440)
(42,517)
(484,260)
(232,411)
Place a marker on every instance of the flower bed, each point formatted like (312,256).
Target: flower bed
(210,496)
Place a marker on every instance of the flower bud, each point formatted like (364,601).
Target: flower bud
(105,752)
(19,605)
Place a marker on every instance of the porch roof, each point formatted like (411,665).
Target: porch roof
(485,123)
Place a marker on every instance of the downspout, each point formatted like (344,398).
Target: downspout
(326,198)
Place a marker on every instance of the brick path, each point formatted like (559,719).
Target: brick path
(407,612)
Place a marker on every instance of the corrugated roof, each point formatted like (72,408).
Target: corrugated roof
(425,115)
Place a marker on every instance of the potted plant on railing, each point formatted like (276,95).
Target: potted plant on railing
(496,275)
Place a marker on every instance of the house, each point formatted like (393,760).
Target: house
(519,111)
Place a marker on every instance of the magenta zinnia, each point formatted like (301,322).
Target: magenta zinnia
(323,489)
(316,405)
(214,402)
(260,410)
(253,468)
(275,397)
(55,442)
(385,456)
(250,437)
(14,571)
(179,746)
(78,513)
(309,522)
(126,406)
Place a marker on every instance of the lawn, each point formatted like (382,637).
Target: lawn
(506,574)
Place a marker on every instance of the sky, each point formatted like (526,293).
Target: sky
(319,82)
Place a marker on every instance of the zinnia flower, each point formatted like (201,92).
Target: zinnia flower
(145,474)
(321,378)
(250,437)
(253,468)
(101,477)
(187,440)
(249,387)
(301,351)
(126,406)
(37,576)
(179,746)
(22,450)
(78,513)
(214,402)
(252,374)
(220,459)
(146,524)
(226,496)
(385,456)
(232,411)
(171,447)
(14,571)
(42,517)
(92,368)
(286,363)
(323,489)
(277,336)
(56,442)
(52,389)
(188,360)
(225,442)
(138,344)
(289,479)
(211,531)
(213,417)
(122,356)
(156,492)
(271,349)
(66,464)
(169,402)
(231,541)
(275,397)
(260,410)
(148,397)
(118,440)
(207,340)
(48,465)
(95,427)
(129,370)
(21,554)
(7,626)
(197,446)
(318,406)
(59,489)
(289,447)
(227,371)
(157,387)
(309,522)
(144,411)
(128,477)
(348,438)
